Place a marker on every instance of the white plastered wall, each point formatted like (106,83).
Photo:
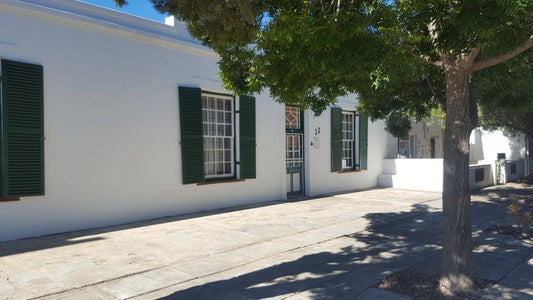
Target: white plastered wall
(485,145)
(424,131)
(319,178)
(112,152)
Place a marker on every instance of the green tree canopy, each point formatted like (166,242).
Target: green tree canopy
(505,96)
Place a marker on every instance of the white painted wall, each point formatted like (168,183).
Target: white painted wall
(320,179)
(112,137)
(488,176)
(112,151)
(427,174)
(485,145)
(412,174)
(424,131)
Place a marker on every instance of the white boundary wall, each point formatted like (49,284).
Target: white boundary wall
(413,174)
(426,174)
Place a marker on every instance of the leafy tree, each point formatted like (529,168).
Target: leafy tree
(407,55)
(505,96)
(398,124)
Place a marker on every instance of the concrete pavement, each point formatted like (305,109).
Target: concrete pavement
(327,248)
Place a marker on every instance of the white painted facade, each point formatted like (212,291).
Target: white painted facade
(485,145)
(111,121)
(420,138)
(422,173)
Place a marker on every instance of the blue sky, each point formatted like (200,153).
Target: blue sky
(141,8)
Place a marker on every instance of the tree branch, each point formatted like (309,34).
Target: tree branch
(425,58)
(434,36)
(489,62)
(437,97)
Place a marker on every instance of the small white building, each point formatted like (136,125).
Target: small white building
(109,118)
(495,158)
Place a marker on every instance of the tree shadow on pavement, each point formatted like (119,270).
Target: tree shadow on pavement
(392,242)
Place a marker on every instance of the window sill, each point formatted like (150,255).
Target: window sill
(349,171)
(9,199)
(220,181)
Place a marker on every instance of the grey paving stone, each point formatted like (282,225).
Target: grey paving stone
(358,280)
(499,292)
(88,293)
(204,293)
(520,279)
(130,286)
(377,294)
(495,266)
(323,293)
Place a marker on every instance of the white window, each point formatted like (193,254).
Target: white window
(217,118)
(403,147)
(407,147)
(348,140)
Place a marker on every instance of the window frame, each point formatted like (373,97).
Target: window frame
(234,112)
(411,141)
(356,161)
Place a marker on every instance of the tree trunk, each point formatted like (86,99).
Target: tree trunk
(461,116)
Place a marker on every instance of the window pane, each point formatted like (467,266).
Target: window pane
(227,156)
(292,117)
(228,130)
(212,116)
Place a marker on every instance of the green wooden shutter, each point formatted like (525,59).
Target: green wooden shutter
(22,130)
(192,140)
(247,136)
(363,141)
(336,139)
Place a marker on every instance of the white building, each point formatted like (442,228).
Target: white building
(108,118)
(495,158)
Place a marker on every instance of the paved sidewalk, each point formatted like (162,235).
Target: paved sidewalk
(327,248)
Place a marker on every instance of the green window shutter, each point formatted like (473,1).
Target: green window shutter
(22,130)
(247,136)
(192,140)
(336,139)
(363,141)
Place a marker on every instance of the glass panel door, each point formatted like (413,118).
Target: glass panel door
(294,161)
(294,157)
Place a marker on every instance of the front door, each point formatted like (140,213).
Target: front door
(294,157)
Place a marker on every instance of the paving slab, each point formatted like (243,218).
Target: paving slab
(499,292)
(495,266)
(377,294)
(134,285)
